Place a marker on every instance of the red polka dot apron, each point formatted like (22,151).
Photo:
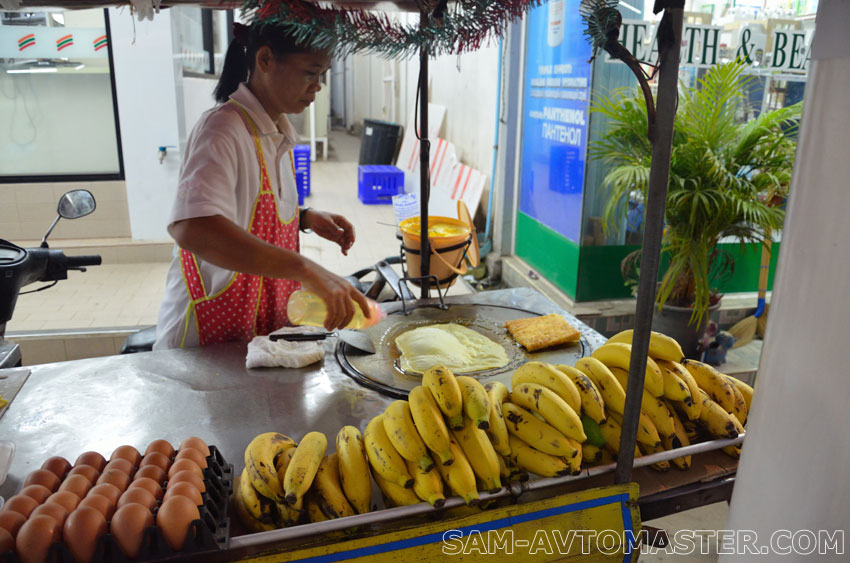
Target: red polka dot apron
(249,305)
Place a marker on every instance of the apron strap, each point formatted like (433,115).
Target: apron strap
(265,183)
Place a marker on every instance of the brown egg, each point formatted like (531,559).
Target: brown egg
(121,464)
(57,465)
(189,476)
(35,537)
(197,443)
(128,527)
(44,478)
(91,458)
(185,464)
(38,492)
(77,484)
(129,453)
(157,459)
(149,485)
(187,490)
(66,498)
(7,542)
(139,496)
(12,521)
(22,504)
(101,503)
(81,530)
(52,509)
(174,517)
(162,446)
(194,455)
(86,471)
(116,477)
(152,472)
(108,490)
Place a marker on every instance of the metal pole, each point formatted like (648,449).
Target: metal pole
(424,171)
(659,174)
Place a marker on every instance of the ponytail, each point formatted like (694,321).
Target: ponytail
(234,71)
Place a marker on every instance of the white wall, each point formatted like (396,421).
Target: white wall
(197,98)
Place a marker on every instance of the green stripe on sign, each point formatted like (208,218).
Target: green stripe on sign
(100,43)
(65,43)
(27,42)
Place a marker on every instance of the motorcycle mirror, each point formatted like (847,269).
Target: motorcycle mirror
(72,205)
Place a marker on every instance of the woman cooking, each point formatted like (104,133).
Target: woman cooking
(236,217)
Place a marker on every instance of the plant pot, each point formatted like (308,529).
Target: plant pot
(673,321)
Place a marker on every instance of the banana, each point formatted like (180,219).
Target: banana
(591,399)
(733,451)
(741,409)
(650,406)
(354,468)
(504,470)
(398,423)
(303,466)
(529,459)
(246,518)
(383,457)
(516,473)
(539,435)
(549,376)
(678,440)
(476,404)
(258,507)
(745,390)
(712,382)
(459,476)
(551,407)
(618,354)
(607,457)
(647,433)
(661,466)
(716,420)
(591,454)
(661,346)
(498,393)
(610,389)
(429,423)
(692,404)
(289,514)
(674,386)
(260,456)
(396,495)
(611,430)
(446,391)
(575,462)
(314,512)
(427,485)
(479,452)
(327,491)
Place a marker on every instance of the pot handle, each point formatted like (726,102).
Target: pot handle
(460,271)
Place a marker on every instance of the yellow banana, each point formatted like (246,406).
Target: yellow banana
(289,514)
(538,434)
(591,454)
(394,494)
(429,423)
(383,457)
(661,466)
(607,457)
(476,404)
(675,387)
(354,468)
(459,476)
(534,461)
(611,430)
(746,391)
(498,393)
(514,472)
(260,456)
(733,451)
(257,506)
(692,404)
(740,411)
(549,376)
(479,452)
(618,354)
(716,420)
(303,466)
(650,406)
(647,433)
(246,518)
(398,423)
(427,485)
(551,407)
(327,491)
(712,382)
(575,461)
(612,392)
(314,512)
(444,387)
(678,440)
(591,399)
(661,346)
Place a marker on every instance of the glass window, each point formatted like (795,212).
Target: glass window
(203,36)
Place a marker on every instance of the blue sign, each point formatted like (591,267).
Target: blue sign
(555,117)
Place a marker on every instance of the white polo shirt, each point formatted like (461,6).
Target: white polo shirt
(220,175)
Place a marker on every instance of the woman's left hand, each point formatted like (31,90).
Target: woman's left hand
(330,226)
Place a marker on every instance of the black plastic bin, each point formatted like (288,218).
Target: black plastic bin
(379,142)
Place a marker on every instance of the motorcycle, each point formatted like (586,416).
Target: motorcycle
(20,267)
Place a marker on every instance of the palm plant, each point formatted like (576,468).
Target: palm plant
(725,177)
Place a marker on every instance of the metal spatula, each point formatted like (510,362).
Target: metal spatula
(351,337)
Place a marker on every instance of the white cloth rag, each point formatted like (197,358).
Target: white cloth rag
(266,353)
(145,9)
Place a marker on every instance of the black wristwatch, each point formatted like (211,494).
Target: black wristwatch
(301,226)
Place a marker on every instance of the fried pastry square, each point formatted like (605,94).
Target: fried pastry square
(536,333)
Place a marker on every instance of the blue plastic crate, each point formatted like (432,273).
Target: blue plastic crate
(301,158)
(378,183)
(299,179)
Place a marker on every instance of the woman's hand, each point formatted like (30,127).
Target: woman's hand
(330,226)
(340,297)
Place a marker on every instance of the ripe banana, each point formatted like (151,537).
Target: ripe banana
(516,473)
(427,485)
(660,466)
(327,491)
(429,423)
(618,354)
(504,470)
(394,494)
(692,404)
(354,468)
(591,399)
(741,410)
(650,406)
(661,346)
(314,513)
(476,404)
(675,387)
(591,454)
(611,430)
(534,461)
(712,382)
(303,466)
(260,456)
(733,451)
(479,452)
(385,460)
(258,507)
(716,420)
(575,461)
(459,476)
(678,440)
(610,389)
(398,423)
(745,390)
(498,393)
(574,393)
(538,434)
(647,433)
(246,518)
(289,514)
(446,391)
(607,457)
(549,376)
(551,407)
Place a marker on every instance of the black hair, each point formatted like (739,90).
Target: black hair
(242,54)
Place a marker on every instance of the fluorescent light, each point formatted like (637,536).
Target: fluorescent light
(80,66)
(29,70)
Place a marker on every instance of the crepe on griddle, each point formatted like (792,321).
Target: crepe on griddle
(536,333)
(455,346)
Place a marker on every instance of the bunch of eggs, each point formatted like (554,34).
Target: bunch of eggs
(80,503)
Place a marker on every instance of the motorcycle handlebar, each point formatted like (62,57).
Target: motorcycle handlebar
(80,261)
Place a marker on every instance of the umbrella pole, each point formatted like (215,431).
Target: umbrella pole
(424,171)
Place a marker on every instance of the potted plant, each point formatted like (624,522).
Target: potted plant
(726,174)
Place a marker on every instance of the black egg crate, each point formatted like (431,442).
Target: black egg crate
(209,534)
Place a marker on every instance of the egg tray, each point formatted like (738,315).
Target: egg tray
(208,534)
